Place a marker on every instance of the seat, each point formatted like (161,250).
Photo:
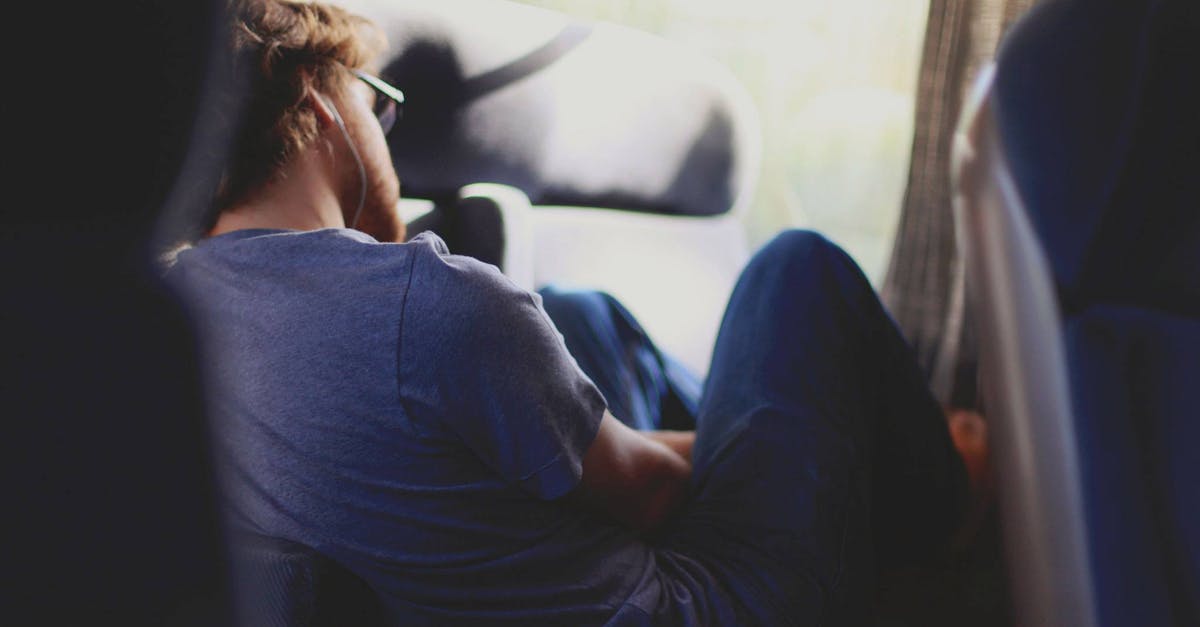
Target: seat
(285,584)
(581,154)
(113,515)
(1078,212)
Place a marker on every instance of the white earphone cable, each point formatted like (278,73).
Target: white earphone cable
(362,171)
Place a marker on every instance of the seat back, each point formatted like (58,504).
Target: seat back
(601,132)
(1076,199)
(281,583)
(572,114)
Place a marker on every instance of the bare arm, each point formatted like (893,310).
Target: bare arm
(634,477)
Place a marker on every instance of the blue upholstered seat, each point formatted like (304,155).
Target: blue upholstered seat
(1079,172)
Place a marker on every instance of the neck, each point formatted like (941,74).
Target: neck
(303,198)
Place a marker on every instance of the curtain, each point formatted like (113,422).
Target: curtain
(924,285)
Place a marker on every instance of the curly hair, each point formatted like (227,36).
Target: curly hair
(287,47)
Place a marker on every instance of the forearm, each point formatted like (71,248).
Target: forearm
(633,477)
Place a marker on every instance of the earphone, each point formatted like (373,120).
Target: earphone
(362,171)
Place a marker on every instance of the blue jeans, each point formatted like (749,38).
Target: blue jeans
(820,453)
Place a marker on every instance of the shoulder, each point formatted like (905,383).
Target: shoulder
(465,301)
(457,283)
(332,267)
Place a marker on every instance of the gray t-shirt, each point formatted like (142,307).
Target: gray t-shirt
(414,415)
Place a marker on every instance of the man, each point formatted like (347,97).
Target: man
(418,418)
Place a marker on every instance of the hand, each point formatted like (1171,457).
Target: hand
(637,478)
(679,441)
(385,226)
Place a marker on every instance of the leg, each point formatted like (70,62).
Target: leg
(644,388)
(819,448)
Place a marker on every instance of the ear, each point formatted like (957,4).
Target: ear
(322,108)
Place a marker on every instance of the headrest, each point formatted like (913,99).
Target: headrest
(1097,104)
(571,114)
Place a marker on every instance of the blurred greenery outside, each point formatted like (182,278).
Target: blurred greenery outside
(834,84)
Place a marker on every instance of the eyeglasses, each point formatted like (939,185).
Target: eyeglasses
(388,100)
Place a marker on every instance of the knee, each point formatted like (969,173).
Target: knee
(567,300)
(804,250)
(805,261)
(800,242)
(567,306)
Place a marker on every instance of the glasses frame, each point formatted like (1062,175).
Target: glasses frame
(391,97)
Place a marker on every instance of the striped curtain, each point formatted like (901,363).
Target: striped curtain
(924,284)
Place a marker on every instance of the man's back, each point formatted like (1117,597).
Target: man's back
(413,415)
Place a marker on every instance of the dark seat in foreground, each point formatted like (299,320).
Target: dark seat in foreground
(284,584)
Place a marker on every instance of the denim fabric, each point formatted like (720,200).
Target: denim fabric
(644,387)
(820,453)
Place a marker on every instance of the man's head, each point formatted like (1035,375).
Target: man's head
(301,58)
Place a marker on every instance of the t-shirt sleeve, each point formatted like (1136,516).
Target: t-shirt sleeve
(480,356)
